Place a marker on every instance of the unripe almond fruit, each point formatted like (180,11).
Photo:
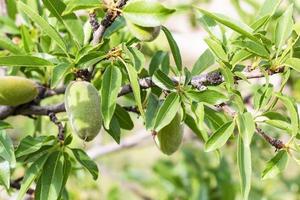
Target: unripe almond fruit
(169,138)
(15,90)
(82,104)
(146,34)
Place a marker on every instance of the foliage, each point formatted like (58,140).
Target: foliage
(54,46)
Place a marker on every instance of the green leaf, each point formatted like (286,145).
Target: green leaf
(156,61)
(133,78)
(228,76)
(167,111)
(111,84)
(31,174)
(24,61)
(4,125)
(220,137)
(8,45)
(66,172)
(276,165)
(4,173)
(50,182)
(292,111)
(138,58)
(70,21)
(86,161)
(123,118)
(146,13)
(204,61)
(284,28)
(244,164)
(191,123)
(162,80)
(28,44)
(293,63)
(253,47)
(208,96)
(43,24)
(217,49)
(7,149)
(114,129)
(174,48)
(152,109)
(233,24)
(31,144)
(269,7)
(246,127)
(74,5)
(58,73)
(240,56)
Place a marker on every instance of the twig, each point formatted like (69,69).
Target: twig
(61,129)
(107,20)
(278,144)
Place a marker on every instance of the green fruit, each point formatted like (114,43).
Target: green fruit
(146,34)
(82,104)
(15,90)
(169,138)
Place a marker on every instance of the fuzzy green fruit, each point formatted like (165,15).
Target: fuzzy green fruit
(15,90)
(169,138)
(146,34)
(82,104)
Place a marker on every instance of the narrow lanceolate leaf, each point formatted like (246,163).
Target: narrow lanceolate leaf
(220,137)
(43,24)
(50,182)
(167,111)
(146,13)
(246,126)
(276,165)
(8,45)
(123,118)
(86,162)
(162,80)
(293,63)
(174,48)
(24,61)
(284,28)
(244,165)
(70,21)
(133,78)
(288,103)
(74,5)
(233,24)
(27,42)
(217,49)
(152,109)
(111,84)
(7,149)
(31,174)
(4,125)
(268,8)
(204,61)
(58,73)
(208,96)
(253,47)
(4,173)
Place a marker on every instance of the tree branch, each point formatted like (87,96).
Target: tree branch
(107,20)
(198,82)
